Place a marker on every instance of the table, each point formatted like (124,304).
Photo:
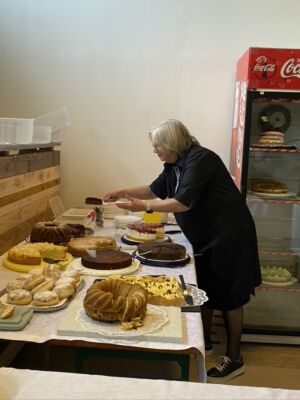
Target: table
(43,326)
(36,385)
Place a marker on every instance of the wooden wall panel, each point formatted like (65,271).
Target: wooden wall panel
(27,183)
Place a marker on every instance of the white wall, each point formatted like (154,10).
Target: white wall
(122,66)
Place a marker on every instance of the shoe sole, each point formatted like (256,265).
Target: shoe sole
(223,379)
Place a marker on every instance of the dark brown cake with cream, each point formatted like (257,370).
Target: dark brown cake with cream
(51,232)
(162,251)
(106,259)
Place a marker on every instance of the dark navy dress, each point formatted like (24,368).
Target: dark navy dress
(219,225)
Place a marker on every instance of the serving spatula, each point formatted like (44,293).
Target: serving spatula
(187,297)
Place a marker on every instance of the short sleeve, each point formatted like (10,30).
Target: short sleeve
(159,186)
(195,176)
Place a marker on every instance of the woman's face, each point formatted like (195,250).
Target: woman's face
(167,156)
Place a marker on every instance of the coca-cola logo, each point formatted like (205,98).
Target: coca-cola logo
(291,68)
(265,67)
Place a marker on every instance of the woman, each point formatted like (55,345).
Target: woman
(196,186)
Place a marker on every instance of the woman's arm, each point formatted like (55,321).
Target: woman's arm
(167,205)
(139,192)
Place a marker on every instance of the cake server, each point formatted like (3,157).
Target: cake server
(187,297)
(100,202)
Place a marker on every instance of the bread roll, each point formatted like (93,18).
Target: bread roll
(33,281)
(14,285)
(66,280)
(52,271)
(45,299)
(20,297)
(71,274)
(48,284)
(6,311)
(64,290)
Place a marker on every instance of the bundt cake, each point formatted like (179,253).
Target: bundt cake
(51,232)
(112,300)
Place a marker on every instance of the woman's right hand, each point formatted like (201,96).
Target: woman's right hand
(113,196)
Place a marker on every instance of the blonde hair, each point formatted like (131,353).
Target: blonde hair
(172,135)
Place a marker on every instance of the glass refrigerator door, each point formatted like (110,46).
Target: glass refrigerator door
(273,195)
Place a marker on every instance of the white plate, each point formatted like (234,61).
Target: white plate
(152,322)
(77,266)
(274,195)
(199,296)
(291,282)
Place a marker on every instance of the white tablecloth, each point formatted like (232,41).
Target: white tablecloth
(43,326)
(41,385)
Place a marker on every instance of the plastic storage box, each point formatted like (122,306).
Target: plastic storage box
(16,130)
(84,216)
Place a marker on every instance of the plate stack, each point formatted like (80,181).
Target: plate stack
(111,210)
(121,221)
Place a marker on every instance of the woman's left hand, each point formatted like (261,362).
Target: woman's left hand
(134,205)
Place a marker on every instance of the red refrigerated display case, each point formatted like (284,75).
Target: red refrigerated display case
(265,166)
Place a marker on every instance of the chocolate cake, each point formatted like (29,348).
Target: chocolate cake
(162,251)
(77,230)
(51,232)
(107,259)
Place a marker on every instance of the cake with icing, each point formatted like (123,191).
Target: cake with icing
(51,232)
(144,231)
(271,138)
(106,259)
(275,274)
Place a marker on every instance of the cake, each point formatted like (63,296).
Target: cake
(162,290)
(144,231)
(113,300)
(32,253)
(79,246)
(274,274)
(51,232)
(269,187)
(77,230)
(162,251)
(107,259)
(271,138)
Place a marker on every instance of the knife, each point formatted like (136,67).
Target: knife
(187,297)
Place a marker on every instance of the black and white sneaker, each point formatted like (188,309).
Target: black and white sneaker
(225,370)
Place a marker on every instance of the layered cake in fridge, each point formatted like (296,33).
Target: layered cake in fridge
(271,138)
(262,186)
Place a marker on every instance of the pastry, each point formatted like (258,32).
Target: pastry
(112,300)
(80,246)
(51,232)
(33,281)
(6,311)
(51,271)
(45,299)
(71,274)
(107,259)
(275,274)
(64,290)
(48,284)
(20,297)
(17,284)
(66,280)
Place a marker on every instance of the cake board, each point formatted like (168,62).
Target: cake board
(170,332)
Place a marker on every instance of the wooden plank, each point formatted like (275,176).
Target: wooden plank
(28,192)
(18,234)
(28,200)
(23,213)
(23,163)
(21,182)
